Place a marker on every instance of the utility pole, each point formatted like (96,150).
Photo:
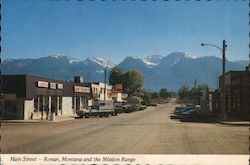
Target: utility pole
(223,114)
(223,88)
(105,81)
(195,92)
(1,81)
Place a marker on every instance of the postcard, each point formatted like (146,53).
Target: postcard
(124,82)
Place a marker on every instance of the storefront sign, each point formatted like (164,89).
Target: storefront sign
(59,86)
(52,85)
(42,84)
(81,89)
(118,87)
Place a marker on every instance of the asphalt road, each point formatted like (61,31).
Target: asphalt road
(144,132)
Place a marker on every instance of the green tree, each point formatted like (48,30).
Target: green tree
(155,95)
(116,76)
(147,97)
(196,92)
(163,93)
(183,92)
(133,81)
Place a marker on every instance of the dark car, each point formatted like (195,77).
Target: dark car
(127,108)
(181,110)
(118,107)
(198,116)
(153,104)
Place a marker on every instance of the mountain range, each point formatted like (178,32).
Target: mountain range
(171,71)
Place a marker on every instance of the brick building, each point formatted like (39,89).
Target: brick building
(237,89)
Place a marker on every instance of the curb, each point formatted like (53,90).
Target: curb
(235,124)
(35,121)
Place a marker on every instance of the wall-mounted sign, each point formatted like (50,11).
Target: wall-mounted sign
(117,87)
(81,89)
(42,84)
(59,86)
(52,85)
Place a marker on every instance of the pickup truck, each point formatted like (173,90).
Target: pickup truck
(99,108)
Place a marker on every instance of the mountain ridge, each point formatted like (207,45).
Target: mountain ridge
(170,71)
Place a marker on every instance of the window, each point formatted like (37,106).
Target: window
(60,103)
(102,104)
(36,104)
(73,102)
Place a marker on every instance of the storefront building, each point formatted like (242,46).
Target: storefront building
(29,97)
(237,89)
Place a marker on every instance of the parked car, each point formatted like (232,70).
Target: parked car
(198,116)
(148,103)
(153,104)
(127,108)
(179,110)
(118,107)
(142,107)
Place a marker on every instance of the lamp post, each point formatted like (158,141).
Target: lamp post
(223,50)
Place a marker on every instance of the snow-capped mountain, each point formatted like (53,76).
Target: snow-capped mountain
(135,62)
(67,58)
(140,63)
(59,67)
(174,58)
(154,59)
(243,62)
(170,71)
(99,61)
(178,68)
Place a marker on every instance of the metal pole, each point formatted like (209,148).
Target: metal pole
(223,114)
(1,79)
(105,74)
(223,108)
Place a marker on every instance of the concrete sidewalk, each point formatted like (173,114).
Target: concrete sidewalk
(236,123)
(57,119)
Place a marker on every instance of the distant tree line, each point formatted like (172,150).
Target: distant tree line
(162,94)
(192,94)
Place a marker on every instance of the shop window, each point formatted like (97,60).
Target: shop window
(36,108)
(60,103)
(10,106)
(84,102)
(102,104)
(73,102)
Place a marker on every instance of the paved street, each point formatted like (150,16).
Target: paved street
(144,132)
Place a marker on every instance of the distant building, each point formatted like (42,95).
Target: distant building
(116,93)
(237,89)
(29,97)
(100,92)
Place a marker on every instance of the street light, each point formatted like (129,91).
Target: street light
(223,50)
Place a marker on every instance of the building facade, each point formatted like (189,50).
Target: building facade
(237,94)
(29,97)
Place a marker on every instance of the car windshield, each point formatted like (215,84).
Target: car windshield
(189,111)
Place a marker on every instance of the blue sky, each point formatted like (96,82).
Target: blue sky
(114,30)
